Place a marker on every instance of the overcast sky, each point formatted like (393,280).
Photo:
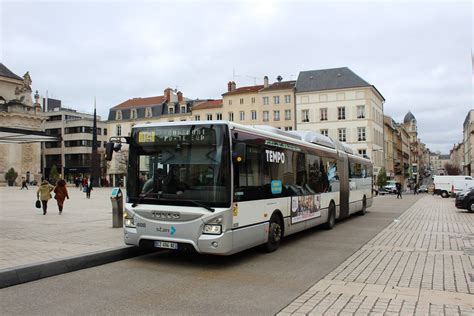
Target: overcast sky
(417,54)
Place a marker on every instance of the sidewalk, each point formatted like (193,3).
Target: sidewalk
(422,263)
(29,237)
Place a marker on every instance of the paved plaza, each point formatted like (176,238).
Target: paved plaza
(29,237)
(422,263)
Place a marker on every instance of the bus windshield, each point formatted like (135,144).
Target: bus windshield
(180,165)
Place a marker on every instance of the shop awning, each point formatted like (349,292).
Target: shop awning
(10,135)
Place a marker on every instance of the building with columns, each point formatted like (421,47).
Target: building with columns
(17,111)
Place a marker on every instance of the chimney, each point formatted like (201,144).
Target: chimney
(229,86)
(180,96)
(233,87)
(265,82)
(167,94)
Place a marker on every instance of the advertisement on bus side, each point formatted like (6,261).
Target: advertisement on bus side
(305,207)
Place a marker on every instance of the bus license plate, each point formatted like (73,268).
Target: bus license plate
(166,244)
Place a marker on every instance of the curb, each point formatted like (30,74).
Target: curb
(27,273)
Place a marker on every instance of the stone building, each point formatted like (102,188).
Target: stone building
(339,104)
(468,141)
(19,114)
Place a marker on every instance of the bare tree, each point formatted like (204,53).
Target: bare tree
(452,169)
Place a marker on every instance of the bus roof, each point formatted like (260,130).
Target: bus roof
(304,138)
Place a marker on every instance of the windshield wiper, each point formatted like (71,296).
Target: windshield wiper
(207,207)
(143,196)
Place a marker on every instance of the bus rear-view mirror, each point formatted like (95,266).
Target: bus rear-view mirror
(110,147)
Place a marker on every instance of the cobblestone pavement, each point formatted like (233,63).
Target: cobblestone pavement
(30,237)
(422,263)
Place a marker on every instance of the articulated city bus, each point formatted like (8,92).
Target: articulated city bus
(218,187)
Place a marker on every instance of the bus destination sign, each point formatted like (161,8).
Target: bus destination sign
(174,135)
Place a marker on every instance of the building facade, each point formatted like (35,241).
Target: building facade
(468,141)
(17,110)
(73,153)
(339,104)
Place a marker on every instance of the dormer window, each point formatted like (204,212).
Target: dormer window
(118,115)
(133,114)
(148,112)
(171,110)
(183,109)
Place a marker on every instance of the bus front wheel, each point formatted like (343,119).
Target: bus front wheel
(275,233)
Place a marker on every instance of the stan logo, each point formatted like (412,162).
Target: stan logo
(172,230)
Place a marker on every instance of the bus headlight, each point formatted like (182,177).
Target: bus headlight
(212,229)
(128,220)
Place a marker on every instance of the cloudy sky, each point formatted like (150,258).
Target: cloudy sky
(417,54)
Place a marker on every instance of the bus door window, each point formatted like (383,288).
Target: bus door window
(247,176)
(301,174)
(315,181)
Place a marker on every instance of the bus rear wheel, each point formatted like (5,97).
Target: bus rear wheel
(363,211)
(275,234)
(331,217)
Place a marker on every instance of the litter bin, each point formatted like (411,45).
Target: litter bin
(117,207)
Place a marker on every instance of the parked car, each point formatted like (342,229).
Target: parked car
(465,200)
(390,188)
(423,188)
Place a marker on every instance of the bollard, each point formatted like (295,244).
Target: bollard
(117,207)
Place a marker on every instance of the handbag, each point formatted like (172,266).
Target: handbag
(38,204)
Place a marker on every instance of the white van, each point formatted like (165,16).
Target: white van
(444,185)
(461,185)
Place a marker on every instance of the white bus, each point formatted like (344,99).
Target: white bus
(218,187)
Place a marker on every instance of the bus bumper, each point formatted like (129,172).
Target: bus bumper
(210,244)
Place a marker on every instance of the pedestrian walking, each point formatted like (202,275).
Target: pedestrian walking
(23,184)
(61,194)
(398,185)
(84,184)
(415,189)
(88,188)
(44,194)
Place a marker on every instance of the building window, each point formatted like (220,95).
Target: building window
(183,109)
(254,115)
(241,100)
(287,115)
(230,102)
(105,132)
(253,100)
(133,114)
(287,98)
(361,111)
(363,152)
(361,134)
(118,115)
(148,112)
(276,99)
(265,100)
(242,115)
(219,116)
(231,116)
(209,117)
(171,110)
(323,114)
(119,130)
(342,134)
(276,115)
(288,128)
(265,116)
(324,132)
(341,113)
(197,117)
(305,115)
